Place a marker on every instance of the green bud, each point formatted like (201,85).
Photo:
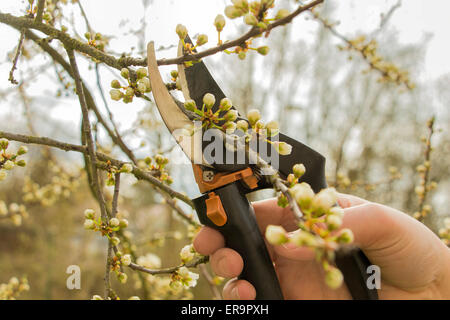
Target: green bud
(87,35)
(116,84)
(253,116)
(231,115)
(219,22)
(345,236)
(181,31)
(334,278)
(202,39)
(125,73)
(190,105)
(148,160)
(250,19)
(21,163)
(262,25)
(159,159)
(4,144)
(22,150)
(333,221)
(126,168)
(122,278)
(89,214)
(115,94)
(141,72)
(98,36)
(232,12)
(242,125)
(272,128)
(89,224)
(123,223)
(8,165)
(276,235)
(115,241)
(242,55)
(114,222)
(225,104)
(174,74)
(263,50)
(230,126)
(209,100)
(282,13)
(298,170)
(129,92)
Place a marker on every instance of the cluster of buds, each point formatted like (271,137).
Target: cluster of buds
(444,233)
(425,184)
(137,87)
(97,40)
(182,33)
(224,118)
(320,226)
(184,277)
(112,170)
(14,287)
(61,186)
(117,261)
(157,167)
(105,228)
(10,160)
(14,212)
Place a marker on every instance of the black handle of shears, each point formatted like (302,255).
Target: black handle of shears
(242,234)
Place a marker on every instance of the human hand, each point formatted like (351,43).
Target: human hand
(414,263)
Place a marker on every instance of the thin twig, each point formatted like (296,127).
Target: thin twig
(40,11)
(16,57)
(191,264)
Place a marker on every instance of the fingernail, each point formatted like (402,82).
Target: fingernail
(235,293)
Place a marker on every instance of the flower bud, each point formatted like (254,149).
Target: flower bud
(333,221)
(174,74)
(190,105)
(325,199)
(253,116)
(225,104)
(181,31)
(334,278)
(114,222)
(21,163)
(276,235)
(272,128)
(4,144)
(129,92)
(125,260)
(298,170)
(116,84)
(219,22)
(243,4)
(345,236)
(202,39)
(89,224)
(89,214)
(187,253)
(242,125)
(141,72)
(125,73)
(122,277)
(209,100)
(338,211)
(282,13)
(96,297)
(242,55)
(87,35)
(123,223)
(115,94)
(263,50)
(143,85)
(229,126)
(22,150)
(126,168)
(303,194)
(8,165)
(419,190)
(115,241)
(16,219)
(302,238)
(250,19)
(3,174)
(232,12)
(231,115)
(282,148)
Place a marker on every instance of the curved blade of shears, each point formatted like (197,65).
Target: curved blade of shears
(173,116)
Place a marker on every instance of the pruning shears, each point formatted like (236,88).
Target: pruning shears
(223,204)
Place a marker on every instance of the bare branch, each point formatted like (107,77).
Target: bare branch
(16,57)
(40,11)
